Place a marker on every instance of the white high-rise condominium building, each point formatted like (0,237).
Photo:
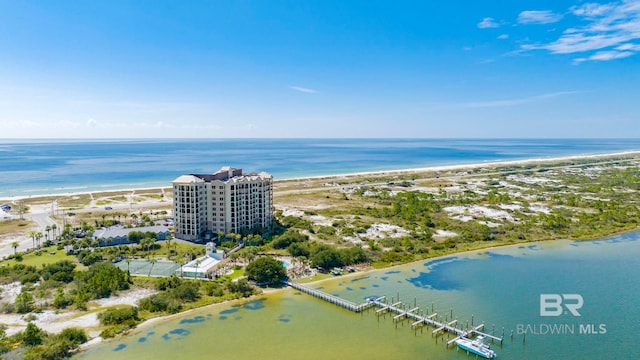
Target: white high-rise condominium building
(227,201)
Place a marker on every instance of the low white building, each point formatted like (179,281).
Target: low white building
(201,267)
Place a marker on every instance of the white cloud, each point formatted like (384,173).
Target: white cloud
(607,32)
(488,23)
(503,36)
(610,55)
(520,101)
(630,47)
(538,17)
(302,89)
(605,56)
(591,9)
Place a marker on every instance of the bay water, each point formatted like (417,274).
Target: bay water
(499,287)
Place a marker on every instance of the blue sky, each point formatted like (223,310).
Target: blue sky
(95,69)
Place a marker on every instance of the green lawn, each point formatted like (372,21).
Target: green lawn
(314,278)
(48,255)
(237,273)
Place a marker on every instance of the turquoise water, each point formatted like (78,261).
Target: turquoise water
(35,167)
(500,287)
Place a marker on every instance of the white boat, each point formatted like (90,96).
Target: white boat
(477,347)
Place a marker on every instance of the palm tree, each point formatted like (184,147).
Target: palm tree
(143,244)
(197,266)
(128,263)
(134,217)
(152,243)
(38,238)
(32,233)
(54,227)
(48,230)
(153,261)
(168,241)
(252,252)
(181,262)
(14,245)
(234,257)
(149,243)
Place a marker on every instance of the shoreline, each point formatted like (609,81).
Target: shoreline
(435,168)
(268,291)
(299,182)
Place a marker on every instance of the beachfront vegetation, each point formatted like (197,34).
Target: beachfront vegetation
(391,219)
(36,344)
(16,226)
(362,220)
(176,294)
(118,320)
(59,285)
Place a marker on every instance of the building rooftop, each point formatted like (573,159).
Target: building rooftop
(188,179)
(226,173)
(118,231)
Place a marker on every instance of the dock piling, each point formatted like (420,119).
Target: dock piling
(401,311)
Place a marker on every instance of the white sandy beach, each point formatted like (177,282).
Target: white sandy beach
(54,322)
(440,168)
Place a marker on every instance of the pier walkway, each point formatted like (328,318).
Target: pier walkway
(413,314)
(330,298)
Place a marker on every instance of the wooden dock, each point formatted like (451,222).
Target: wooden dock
(448,326)
(330,298)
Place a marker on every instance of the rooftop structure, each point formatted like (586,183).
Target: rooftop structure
(117,235)
(226,201)
(201,267)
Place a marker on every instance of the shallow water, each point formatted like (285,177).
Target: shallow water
(500,287)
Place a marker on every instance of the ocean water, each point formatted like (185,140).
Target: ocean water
(499,287)
(36,167)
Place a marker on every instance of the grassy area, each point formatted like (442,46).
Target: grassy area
(45,256)
(121,193)
(314,278)
(237,273)
(16,226)
(64,201)
(152,196)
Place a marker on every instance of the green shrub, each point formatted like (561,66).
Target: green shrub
(74,335)
(124,315)
(102,279)
(213,289)
(24,302)
(289,237)
(29,278)
(32,335)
